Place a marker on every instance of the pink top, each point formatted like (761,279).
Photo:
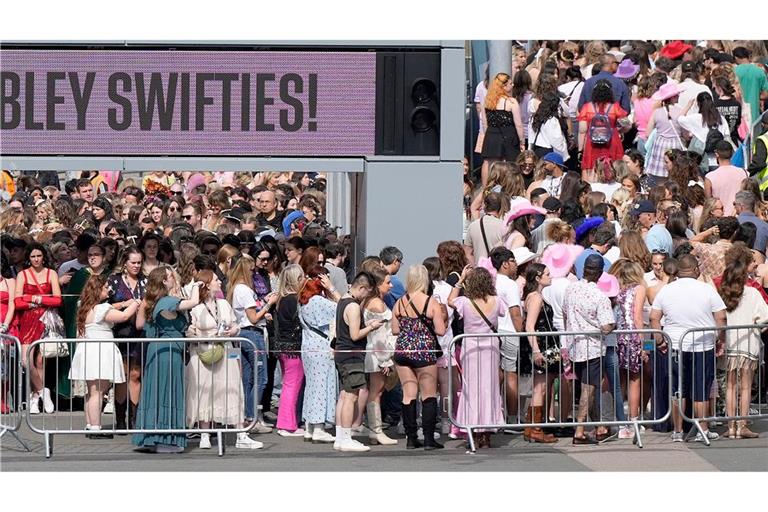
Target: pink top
(726,181)
(643,110)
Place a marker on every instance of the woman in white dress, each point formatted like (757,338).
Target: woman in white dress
(215,390)
(98,364)
(316,313)
(379,349)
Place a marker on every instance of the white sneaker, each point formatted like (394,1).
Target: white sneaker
(677,437)
(34,404)
(340,436)
(321,436)
(261,428)
(243,441)
(350,445)
(710,435)
(626,433)
(205,441)
(47,402)
(299,432)
(110,407)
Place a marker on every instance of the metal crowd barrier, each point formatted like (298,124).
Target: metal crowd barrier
(702,372)
(474,374)
(72,422)
(10,388)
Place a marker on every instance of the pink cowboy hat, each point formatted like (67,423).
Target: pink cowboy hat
(667,91)
(522,207)
(608,284)
(559,258)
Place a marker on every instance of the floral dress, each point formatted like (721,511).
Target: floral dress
(629,346)
(320,391)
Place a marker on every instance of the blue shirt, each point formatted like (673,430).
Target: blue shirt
(397,291)
(620,90)
(578,265)
(761,240)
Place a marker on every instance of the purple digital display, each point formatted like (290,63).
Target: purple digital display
(196,103)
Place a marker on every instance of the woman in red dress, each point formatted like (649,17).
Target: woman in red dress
(37,290)
(7,326)
(597,138)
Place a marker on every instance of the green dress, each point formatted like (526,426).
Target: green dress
(162,392)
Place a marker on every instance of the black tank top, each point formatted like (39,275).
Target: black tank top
(344,339)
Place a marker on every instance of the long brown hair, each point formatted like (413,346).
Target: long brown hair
(205,276)
(90,297)
(452,258)
(737,261)
(241,273)
(380,275)
(632,247)
(156,290)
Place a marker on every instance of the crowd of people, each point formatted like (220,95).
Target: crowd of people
(608,199)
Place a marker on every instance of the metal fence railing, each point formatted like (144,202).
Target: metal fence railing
(721,383)
(167,366)
(632,355)
(10,388)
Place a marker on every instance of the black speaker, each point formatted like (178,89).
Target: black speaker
(408,103)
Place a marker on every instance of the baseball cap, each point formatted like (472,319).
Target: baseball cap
(644,206)
(594,261)
(554,158)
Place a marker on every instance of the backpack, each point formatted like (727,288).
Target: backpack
(600,129)
(713,137)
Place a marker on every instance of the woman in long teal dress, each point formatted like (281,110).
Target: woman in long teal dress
(162,393)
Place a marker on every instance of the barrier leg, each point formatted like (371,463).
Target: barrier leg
(701,432)
(17,437)
(471,441)
(220,439)
(48,445)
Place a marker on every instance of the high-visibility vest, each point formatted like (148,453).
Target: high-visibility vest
(762,175)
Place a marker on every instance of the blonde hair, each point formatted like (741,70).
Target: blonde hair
(496,90)
(593,51)
(559,231)
(226,252)
(289,279)
(627,272)
(621,200)
(241,273)
(417,280)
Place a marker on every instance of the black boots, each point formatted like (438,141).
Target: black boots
(132,411)
(409,423)
(120,408)
(428,422)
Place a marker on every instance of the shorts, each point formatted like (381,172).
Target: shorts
(510,349)
(698,374)
(588,372)
(351,375)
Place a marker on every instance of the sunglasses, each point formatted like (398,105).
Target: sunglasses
(173,209)
(659,251)
(260,258)
(186,217)
(210,252)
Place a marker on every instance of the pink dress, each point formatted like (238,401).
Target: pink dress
(480,401)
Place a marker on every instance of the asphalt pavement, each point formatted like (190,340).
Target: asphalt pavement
(508,453)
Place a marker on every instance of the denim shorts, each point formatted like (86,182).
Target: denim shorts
(589,372)
(698,374)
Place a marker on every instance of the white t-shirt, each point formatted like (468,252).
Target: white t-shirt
(687,303)
(606,188)
(554,295)
(242,299)
(480,93)
(613,254)
(509,292)
(572,89)
(691,89)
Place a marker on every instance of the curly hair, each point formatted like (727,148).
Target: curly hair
(602,93)
(452,258)
(496,90)
(479,284)
(559,231)
(548,108)
(546,86)
(737,261)
(89,297)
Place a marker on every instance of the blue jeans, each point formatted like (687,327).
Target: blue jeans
(611,371)
(249,359)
